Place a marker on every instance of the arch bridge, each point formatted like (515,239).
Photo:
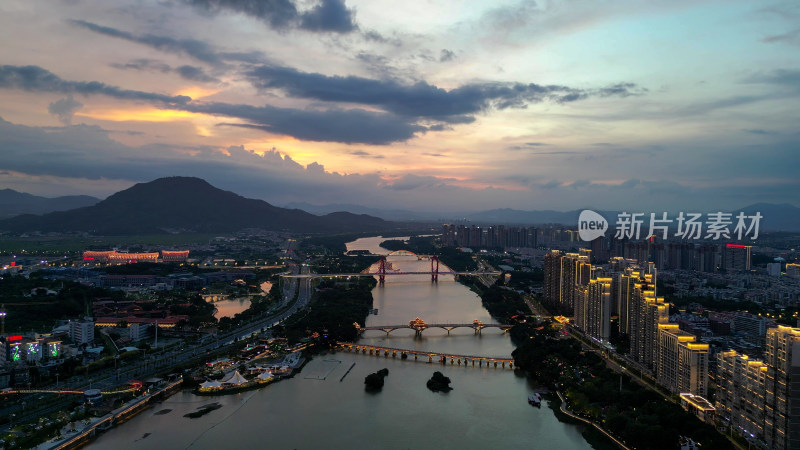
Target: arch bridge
(419,325)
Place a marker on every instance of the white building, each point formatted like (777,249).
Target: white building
(82,331)
(139,331)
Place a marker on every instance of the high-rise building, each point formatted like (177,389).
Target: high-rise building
(705,258)
(741,391)
(593,308)
(600,250)
(736,257)
(680,255)
(682,363)
(562,272)
(646,312)
(762,398)
(448,235)
(793,270)
(782,398)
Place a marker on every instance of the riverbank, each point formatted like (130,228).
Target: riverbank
(631,413)
(322,400)
(79,438)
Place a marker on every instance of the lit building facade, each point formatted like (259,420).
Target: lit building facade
(736,257)
(593,308)
(782,394)
(682,363)
(174,255)
(741,383)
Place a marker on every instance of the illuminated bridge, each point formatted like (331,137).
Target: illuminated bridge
(419,325)
(385,268)
(442,358)
(133,386)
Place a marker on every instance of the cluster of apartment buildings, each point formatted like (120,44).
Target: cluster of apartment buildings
(497,236)
(759,397)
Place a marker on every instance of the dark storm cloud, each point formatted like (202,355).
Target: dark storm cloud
(64,109)
(332,125)
(422,99)
(191,47)
(325,16)
(37,79)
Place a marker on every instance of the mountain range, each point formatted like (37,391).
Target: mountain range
(181,204)
(186,204)
(13,203)
(776,217)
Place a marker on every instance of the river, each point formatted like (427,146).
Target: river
(315,410)
(231,307)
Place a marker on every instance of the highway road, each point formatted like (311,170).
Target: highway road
(152,364)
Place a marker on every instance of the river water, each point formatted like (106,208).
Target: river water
(315,410)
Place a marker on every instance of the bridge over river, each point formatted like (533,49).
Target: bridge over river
(385,269)
(443,358)
(419,325)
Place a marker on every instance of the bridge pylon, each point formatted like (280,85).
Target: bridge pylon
(434,269)
(382,270)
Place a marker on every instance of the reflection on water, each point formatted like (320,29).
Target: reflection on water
(487,407)
(229,308)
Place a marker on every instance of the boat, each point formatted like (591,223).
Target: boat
(535,400)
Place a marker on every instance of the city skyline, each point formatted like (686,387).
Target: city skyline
(425,106)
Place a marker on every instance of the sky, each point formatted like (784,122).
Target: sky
(433,106)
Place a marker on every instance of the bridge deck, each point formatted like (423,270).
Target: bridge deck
(437,325)
(375,274)
(351,345)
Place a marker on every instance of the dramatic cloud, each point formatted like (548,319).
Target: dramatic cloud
(352,126)
(192,73)
(326,16)
(329,15)
(422,99)
(64,109)
(190,47)
(37,79)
